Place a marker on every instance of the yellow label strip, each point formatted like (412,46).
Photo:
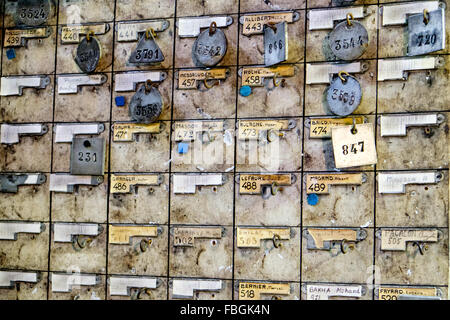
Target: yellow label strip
(185,237)
(123,183)
(254,23)
(122,234)
(319,183)
(254,76)
(71,34)
(324,235)
(251,237)
(14,37)
(123,132)
(187,130)
(321,127)
(254,290)
(249,129)
(187,79)
(252,183)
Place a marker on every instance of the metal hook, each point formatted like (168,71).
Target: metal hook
(279,134)
(150,31)
(274,189)
(80,242)
(272,26)
(415,243)
(341,73)
(88,35)
(277,83)
(349,18)
(426,16)
(276,238)
(212,28)
(216,83)
(343,243)
(354,130)
(148,84)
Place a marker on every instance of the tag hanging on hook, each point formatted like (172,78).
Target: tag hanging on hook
(147,50)
(88,53)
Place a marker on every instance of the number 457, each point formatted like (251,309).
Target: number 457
(353,148)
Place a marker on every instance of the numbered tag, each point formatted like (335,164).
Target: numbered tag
(87,156)
(426,32)
(147,50)
(210,47)
(88,54)
(124,132)
(146,105)
(344,94)
(326,291)
(253,290)
(348,40)
(320,128)
(32,12)
(354,146)
(275,43)
(185,237)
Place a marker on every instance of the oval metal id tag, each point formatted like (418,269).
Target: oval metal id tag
(32,12)
(209,47)
(146,105)
(344,94)
(147,51)
(349,39)
(88,53)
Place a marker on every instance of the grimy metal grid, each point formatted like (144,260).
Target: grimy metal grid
(239,12)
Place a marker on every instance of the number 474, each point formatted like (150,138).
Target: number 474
(353,148)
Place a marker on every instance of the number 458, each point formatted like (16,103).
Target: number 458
(353,148)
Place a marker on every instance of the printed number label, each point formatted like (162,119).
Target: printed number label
(247,294)
(87,157)
(257,26)
(320,130)
(354,148)
(343,96)
(426,39)
(249,185)
(147,54)
(277,45)
(184,240)
(347,43)
(120,186)
(317,187)
(252,80)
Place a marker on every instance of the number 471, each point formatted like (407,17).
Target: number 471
(353,148)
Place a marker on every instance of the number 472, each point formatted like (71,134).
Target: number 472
(353,148)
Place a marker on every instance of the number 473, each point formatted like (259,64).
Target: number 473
(353,148)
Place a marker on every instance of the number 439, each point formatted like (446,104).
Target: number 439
(353,148)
